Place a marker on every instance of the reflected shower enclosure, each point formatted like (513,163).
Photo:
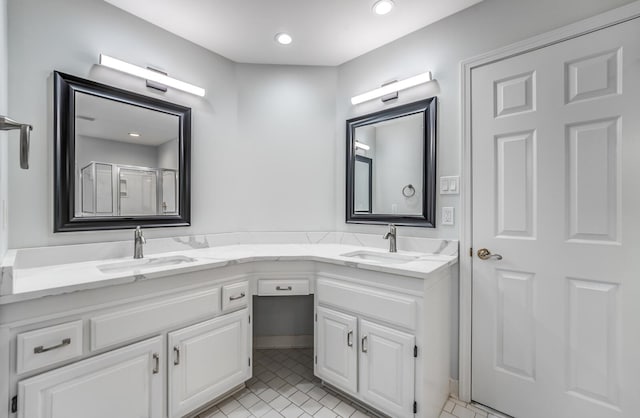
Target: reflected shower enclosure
(116,190)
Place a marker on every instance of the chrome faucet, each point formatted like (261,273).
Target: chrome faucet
(391,236)
(138,241)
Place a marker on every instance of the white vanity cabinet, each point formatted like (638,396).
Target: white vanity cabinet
(207,360)
(124,383)
(387,368)
(365,358)
(337,348)
(384,339)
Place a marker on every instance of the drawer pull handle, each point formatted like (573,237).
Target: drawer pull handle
(364,344)
(288,288)
(237,297)
(156,366)
(176,359)
(350,339)
(40,349)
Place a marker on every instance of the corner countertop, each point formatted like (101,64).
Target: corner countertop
(41,281)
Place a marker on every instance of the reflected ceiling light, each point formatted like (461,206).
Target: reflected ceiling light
(392,88)
(362,146)
(134,134)
(283,38)
(150,75)
(382,7)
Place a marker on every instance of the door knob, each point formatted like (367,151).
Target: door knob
(485,254)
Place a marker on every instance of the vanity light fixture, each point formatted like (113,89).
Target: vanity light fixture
(360,145)
(392,88)
(283,38)
(382,7)
(150,75)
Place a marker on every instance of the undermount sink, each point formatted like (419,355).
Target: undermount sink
(379,257)
(145,263)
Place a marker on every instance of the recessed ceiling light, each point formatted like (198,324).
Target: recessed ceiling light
(283,38)
(382,7)
(134,134)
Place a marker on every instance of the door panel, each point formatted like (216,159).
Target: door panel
(207,360)
(336,348)
(387,369)
(556,174)
(125,383)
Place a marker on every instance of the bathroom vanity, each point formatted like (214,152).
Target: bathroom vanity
(166,335)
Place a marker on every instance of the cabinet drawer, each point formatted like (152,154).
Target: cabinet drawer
(235,295)
(277,287)
(139,321)
(47,346)
(389,307)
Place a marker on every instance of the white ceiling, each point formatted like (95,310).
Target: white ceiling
(325,32)
(114,120)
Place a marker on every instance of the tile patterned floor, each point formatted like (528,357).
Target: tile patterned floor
(283,385)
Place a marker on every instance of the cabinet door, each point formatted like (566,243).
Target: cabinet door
(206,360)
(387,369)
(124,383)
(336,348)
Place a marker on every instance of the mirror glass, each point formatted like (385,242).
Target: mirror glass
(391,166)
(122,158)
(126,159)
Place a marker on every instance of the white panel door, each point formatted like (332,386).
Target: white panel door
(337,349)
(387,369)
(556,180)
(125,383)
(206,360)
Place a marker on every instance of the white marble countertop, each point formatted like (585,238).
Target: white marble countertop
(40,281)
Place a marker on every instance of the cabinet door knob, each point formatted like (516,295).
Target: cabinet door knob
(350,339)
(363,344)
(176,358)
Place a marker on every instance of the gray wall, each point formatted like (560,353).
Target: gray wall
(263,137)
(440,48)
(4,184)
(105,151)
(276,315)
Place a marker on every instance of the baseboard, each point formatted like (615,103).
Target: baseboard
(283,341)
(454,386)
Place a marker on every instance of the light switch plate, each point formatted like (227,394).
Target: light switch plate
(447,216)
(449,185)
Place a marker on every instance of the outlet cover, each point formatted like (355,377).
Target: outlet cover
(447,216)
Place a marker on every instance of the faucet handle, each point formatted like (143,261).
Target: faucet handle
(392,228)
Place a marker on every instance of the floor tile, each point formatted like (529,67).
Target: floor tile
(344,410)
(249,400)
(292,411)
(268,395)
(462,412)
(311,406)
(325,413)
(260,409)
(329,401)
(299,398)
(279,403)
(229,405)
(317,393)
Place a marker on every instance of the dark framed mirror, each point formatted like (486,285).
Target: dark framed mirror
(121,159)
(391,166)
